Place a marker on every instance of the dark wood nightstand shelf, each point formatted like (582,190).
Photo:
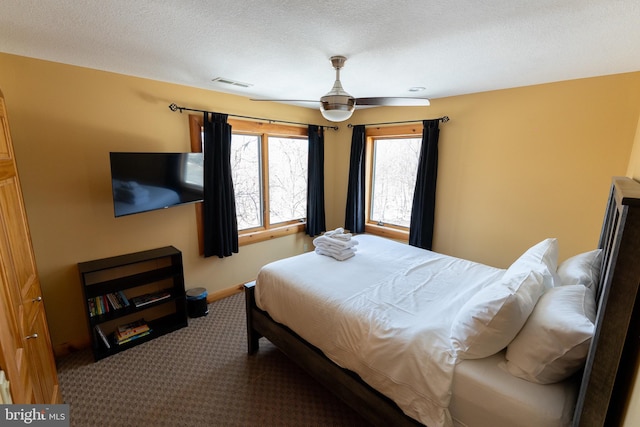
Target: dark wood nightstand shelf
(157,272)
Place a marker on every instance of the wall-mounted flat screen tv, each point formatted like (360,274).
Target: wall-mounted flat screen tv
(144,182)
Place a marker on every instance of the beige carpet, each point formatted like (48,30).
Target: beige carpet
(198,376)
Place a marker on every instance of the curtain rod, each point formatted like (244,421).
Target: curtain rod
(174,107)
(443,119)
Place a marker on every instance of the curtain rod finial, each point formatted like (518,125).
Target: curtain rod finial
(174,107)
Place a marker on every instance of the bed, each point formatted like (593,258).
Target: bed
(363,332)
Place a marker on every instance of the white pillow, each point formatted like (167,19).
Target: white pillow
(554,342)
(542,257)
(582,269)
(492,317)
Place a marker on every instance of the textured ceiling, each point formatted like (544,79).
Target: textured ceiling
(282,47)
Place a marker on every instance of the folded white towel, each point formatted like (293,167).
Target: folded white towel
(339,256)
(338,230)
(334,242)
(334,250)
(344,237)
(338,233)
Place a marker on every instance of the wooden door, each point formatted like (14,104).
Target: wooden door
(26,350)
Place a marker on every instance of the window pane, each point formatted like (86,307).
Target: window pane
(245,170)
(395,165)
(287,179)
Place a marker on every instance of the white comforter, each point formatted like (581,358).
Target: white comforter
(384,314)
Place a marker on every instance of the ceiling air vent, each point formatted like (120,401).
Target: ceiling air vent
(230,82)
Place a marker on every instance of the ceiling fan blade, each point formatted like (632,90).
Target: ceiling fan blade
(286,100)
(393,102)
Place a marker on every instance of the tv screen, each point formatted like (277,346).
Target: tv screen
(144,182)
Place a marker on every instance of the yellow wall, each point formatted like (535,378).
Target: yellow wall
(516,166)
(65,120)
(633,170)
(519,165)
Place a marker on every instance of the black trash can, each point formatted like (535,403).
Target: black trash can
(197,302)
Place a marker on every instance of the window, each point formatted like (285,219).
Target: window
(269,172)
(395,165)
(285,164)
(392,165)
(246,172)
(288,179)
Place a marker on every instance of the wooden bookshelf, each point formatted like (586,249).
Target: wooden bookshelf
(112,287)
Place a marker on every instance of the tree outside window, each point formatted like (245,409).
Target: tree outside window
(288,179)
(392,165)
(395,166)
(269,172)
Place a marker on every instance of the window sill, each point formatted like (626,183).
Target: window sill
(254,236)
(248,238)
(388,232)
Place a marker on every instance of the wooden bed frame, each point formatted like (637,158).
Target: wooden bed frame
(611,363)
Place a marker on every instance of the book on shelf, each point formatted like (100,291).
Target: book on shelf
(122,298)
(142,300)
(96,306)
(134,337)
(115,304)
(92,307)
(103,337)
(129,331)
(132,328)
(104,303)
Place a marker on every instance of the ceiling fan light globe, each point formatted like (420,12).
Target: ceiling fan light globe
(336,115)
(337,108)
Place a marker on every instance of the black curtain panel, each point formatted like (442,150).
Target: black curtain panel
(354,215)
(424,196)
(219,210)
(315,182)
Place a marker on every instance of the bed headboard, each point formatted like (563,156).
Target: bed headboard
(613,356)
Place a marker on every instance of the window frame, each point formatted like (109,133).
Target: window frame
(391,231)
(267,231)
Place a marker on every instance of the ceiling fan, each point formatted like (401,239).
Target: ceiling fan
(337,105)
